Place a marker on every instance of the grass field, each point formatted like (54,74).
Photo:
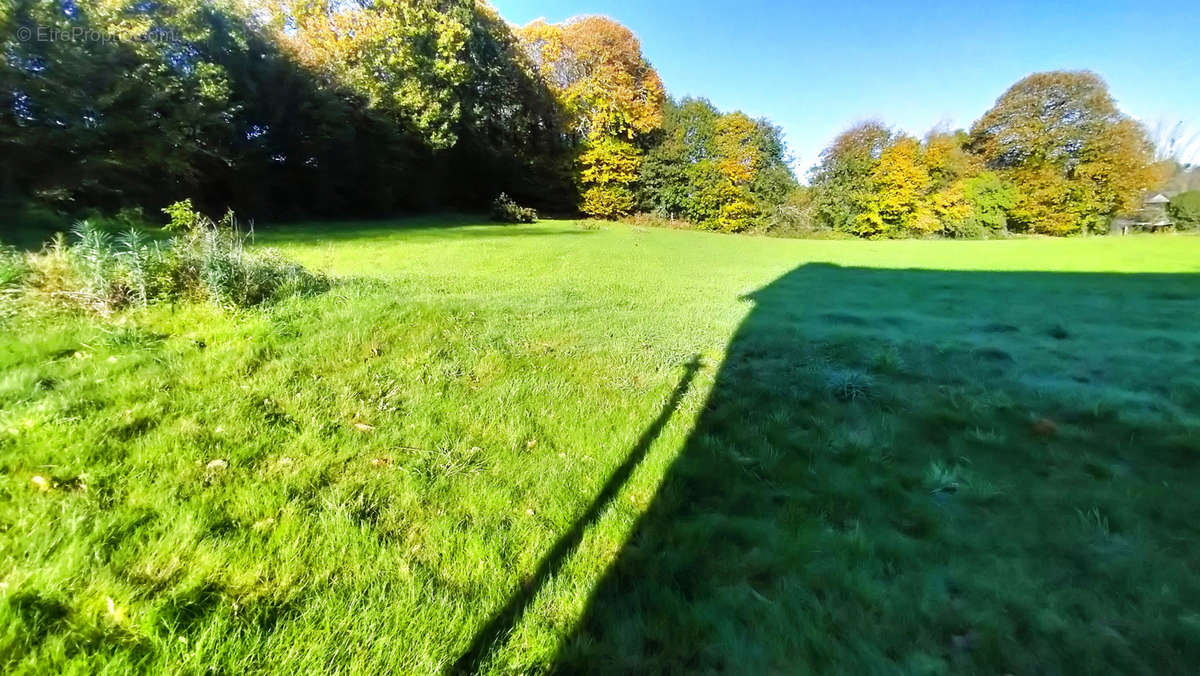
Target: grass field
(545,447)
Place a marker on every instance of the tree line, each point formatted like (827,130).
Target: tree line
(281,109)
(333,108)
(1053,156)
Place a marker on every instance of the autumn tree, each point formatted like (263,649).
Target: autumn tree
(843,186)
(612,98)
(898,203)
(974,207)
(719,171)
(1077,159)
(967,200)
(876,183)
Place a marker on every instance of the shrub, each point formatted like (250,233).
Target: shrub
(790,220)
(656,220)
(505,210)
(205,260)
(52,271)
(1184,210)
(607,202)
(211,259)
(181,217)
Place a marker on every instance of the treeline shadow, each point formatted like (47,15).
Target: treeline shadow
(439,226)
(926,471)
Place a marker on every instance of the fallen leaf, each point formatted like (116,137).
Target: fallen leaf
(1044,427)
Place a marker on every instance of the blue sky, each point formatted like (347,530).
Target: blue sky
(816,68)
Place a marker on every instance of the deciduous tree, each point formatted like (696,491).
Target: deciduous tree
(842,181)
(1076,157)
(612,98)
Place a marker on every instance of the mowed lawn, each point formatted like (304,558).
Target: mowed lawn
(617,450)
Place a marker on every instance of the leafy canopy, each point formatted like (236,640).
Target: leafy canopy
(1078,159)
(1184,209)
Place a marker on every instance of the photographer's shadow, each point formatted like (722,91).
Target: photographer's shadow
(841,506)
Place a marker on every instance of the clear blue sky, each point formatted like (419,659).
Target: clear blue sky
(816,68)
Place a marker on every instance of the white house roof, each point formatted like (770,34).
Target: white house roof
(1158,199)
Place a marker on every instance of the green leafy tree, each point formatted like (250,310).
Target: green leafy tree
(1184,210)
(113,122)
(269,107)
(975,207)
(843,187)
(406,57)
(669,177)
(720,171)
(511,136)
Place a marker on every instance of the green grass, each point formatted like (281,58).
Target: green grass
(525,448)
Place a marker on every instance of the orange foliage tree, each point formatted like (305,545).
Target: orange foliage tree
(1077,159)
(612,98)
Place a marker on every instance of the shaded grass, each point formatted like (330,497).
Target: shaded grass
(922,497)
(858,480)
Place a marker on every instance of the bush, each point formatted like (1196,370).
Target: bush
(205,260)
(656,220)
(966,228)
(1184,210)
(608,202)
(505,210)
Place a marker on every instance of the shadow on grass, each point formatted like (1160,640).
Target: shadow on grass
(923,471)
(29,239)
(464,226)
(503,621)
(28,235)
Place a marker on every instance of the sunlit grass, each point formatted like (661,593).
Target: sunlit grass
(358,480)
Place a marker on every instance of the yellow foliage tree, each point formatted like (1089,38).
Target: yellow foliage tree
(608,166)
(736,141)
(611,96)
(898,205)
(738,160)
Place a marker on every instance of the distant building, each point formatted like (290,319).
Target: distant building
(1154,211)
(1151,217)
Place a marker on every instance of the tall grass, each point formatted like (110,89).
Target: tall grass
(204,260)
(13,267)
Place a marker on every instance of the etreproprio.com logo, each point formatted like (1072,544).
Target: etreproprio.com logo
(84,34)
